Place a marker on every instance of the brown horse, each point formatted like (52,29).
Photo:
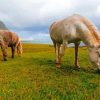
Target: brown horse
(74,29)
(9,39)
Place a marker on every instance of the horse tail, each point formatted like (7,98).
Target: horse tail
(19,48)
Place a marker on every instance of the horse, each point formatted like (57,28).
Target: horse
(74,29)
(9,39)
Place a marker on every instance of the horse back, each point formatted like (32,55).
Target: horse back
(72,29)
(10,38)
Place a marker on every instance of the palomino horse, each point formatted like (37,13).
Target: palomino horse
(74,29)
(9,39)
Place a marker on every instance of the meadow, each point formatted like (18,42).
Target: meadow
(35,77)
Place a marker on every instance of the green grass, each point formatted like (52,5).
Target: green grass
(34,76)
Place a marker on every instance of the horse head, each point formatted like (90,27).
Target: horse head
(94,54)
(19,48)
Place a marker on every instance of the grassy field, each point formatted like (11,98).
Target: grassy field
(34,76)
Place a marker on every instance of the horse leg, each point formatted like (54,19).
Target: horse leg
(63,47)
(76,54)
(4,51)
(57,50)
(54,45)
(13,51)
(57,47)
(62,50)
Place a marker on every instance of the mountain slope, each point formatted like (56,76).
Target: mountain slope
(3,26)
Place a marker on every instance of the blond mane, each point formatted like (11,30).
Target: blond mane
(94,31)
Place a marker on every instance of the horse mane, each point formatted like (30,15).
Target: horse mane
(92,28)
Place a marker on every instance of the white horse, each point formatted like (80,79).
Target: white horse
(74,29)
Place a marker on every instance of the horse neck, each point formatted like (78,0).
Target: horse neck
(91,42)
(92,28)
(92,38)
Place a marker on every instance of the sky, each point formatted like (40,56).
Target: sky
(31,19)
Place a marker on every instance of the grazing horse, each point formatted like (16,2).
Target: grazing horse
(9,39)
(74,29)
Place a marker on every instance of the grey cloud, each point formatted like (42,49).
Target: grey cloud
(25,13)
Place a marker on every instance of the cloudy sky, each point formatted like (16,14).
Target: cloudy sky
(32,18)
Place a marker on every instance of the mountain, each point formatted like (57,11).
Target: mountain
(3,26)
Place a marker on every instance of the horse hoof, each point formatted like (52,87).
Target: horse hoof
(58,65)
(77,66)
